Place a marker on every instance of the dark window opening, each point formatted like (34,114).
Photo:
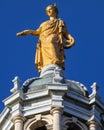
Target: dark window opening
(41,128)
(73,126)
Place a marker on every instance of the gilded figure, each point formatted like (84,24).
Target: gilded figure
(53,39)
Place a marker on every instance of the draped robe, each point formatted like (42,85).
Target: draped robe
(50,48)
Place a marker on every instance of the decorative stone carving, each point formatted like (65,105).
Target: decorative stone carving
(16,82)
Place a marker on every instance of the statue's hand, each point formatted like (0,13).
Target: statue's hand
(69,43)
(25,32)
(19,34)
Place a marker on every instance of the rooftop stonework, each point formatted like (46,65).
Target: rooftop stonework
(39,83)
(35,103)
(53,75)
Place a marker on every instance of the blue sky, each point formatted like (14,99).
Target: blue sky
(85,22)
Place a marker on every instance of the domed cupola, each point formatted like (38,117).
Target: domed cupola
(53,76)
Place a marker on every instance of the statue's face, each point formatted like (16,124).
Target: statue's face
(51,11)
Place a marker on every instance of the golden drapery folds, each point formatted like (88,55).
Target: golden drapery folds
(50,49)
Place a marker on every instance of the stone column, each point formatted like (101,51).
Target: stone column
(57,112)
(92,125)
(18,122)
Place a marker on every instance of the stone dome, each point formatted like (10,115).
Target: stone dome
(53,75)
(34,84)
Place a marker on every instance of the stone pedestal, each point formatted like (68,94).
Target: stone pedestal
(56,71)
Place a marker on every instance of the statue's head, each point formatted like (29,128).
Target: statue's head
(52,10)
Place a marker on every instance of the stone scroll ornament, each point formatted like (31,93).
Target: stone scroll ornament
(53,39)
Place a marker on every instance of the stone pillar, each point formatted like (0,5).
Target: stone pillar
(92,125)
(18,122)
(57,112)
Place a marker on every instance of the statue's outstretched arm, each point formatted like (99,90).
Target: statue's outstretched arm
(26,32)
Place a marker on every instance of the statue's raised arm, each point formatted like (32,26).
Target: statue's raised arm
(53,39)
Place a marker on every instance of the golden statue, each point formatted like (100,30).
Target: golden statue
(53,39)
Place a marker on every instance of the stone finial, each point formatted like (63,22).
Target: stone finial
(16,82)
(94,88)
(58,75)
